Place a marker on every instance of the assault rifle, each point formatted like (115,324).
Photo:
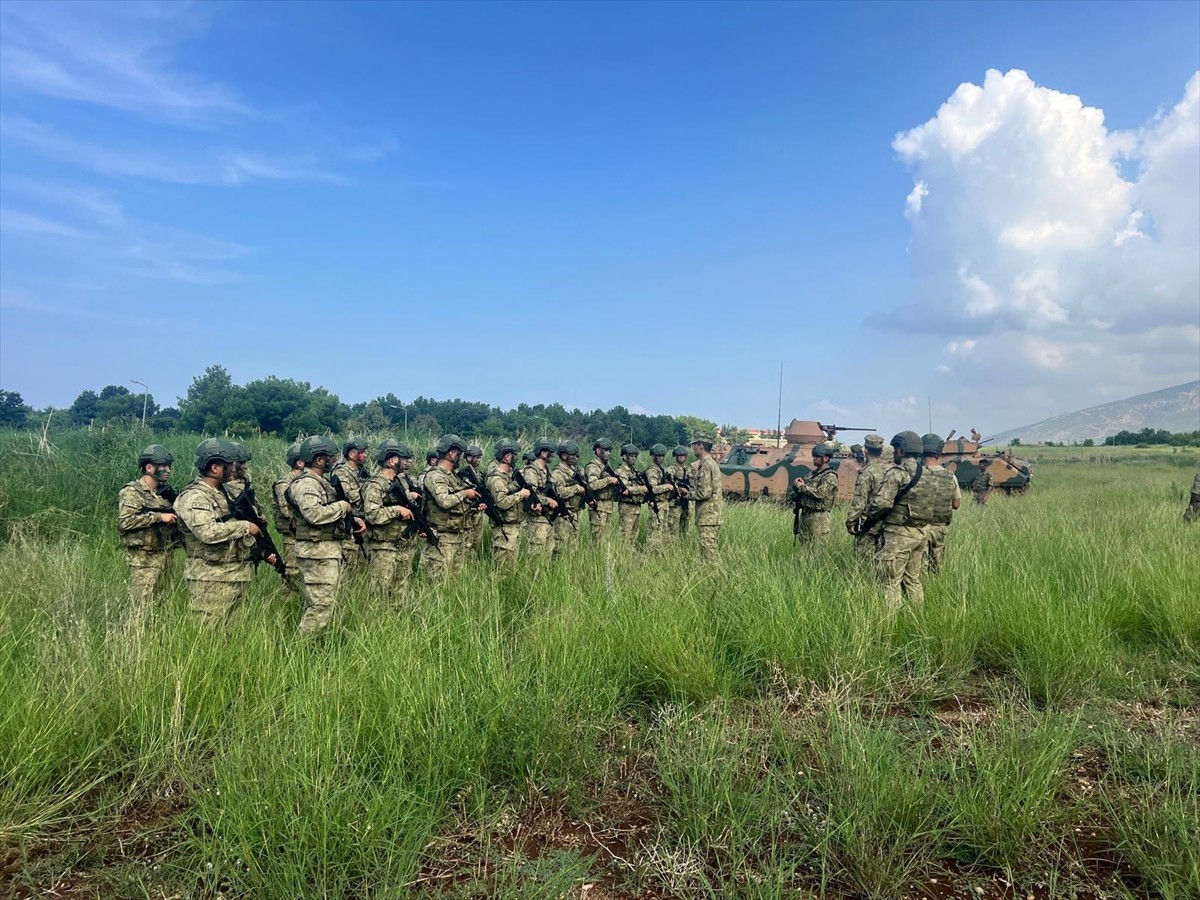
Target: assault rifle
(532,500)
(398,491)
(245,508)
(866,523)
(348,520)
(650,498)
(676,484)
(552,493)
(471,477)
(589,496)
(167,492)
(608,470)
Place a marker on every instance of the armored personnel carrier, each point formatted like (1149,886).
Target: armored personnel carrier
(759,470)
(963,457)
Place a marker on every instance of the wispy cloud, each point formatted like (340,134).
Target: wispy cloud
(16,220)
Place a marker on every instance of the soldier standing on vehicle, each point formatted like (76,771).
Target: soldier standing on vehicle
(706,495)
(566,480)
(660,490)
(217,569)
(321,523)
(474,543)
(537,475)
(390,545)
(603,487)
(285,524)
(630,495)
(509,498)
(981,487)
(904,502)
(146,524)
(449,507)
(867,482)
(814,497)
(347,479)
(947,499)
(678,512)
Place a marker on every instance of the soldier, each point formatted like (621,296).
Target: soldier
(537,476)
(814,497)
(603,485)
(472,458)
(706,495)
(631,493)
(856,450)
(236,485)
(217,569)
(449,507)
(431,459)
(981,487)
(1193,509)
(678,512)
(947,499)
(867,482)
(509,499)
(284,522)
(660,491)
(569,486)
(389,541)
(347,479)
(320,521)
(146,524)
(904,502)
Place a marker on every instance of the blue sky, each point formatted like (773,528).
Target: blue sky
(599,204)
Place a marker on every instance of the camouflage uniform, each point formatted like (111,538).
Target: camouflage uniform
(390,551)
(474,535)
(286,526)
(449,513)
(629,508)
(320,534)
(678,511)
(816,499)
(539,527)
(948,492)
(1193,509)
(148,543)
(865,485)
(506,537)
(351,478)
(981,486)
(902,547)
(605,494)
(570,493)
(708,504)
(659,520)
(217,570)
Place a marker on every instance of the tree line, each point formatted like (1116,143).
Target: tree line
(288,408)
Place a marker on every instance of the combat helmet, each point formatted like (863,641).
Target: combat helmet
(680,450)
(505,446)
(473,450)
(317,445)
(908,443)
(630,449)
(529,456)
(543,444)
(931,444)
(157,454)
(243,452)
(447,443)
(354,444)
(602,444)
(293,454)
(570,448)
(658,450)
(388,449)
(823,449)
(214,450)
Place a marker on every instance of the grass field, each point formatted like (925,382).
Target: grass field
(618,724)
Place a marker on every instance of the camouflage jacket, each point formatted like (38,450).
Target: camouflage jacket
(505,492)
(947,492)
(659,486)
(317,516)
(447,507)
(386,523)
(351,480)
(632,481)
(567,486)
(819,491)
(283,510)
(869,478)
(537,478)
(139,518)
(914,509)
(706,494)
(681,472)
(982,483)
(597,480)
(217,546)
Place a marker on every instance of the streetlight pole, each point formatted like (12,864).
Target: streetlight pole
(542,419)
(145,397)
(405,408)
(626,425)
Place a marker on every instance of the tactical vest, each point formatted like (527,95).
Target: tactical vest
(236,550)
(915,508)
(512,515)
(594,471)
(444,520)
(157,536)
(394,530)
(305,530)
(283,511)
(943,482)
(812,504)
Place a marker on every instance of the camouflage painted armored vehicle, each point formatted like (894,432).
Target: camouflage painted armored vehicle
(962,457)
(758,471)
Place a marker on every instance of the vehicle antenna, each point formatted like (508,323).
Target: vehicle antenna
(779,411)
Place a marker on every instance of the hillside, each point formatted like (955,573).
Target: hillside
(1175,408)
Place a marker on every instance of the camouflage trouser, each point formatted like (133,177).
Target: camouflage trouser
(216,602)
(438,562)
(657,524)
(1192,512)
(936,551)
(677,520)
(541,536)
(566,534)
(389,568)
(292,580)
(865,546)
(321,578)
(506,545)
(354,561)
(813,527)
(707,538)
(598,520)
(474,535)
(145,570)
(629,522)
(898,563)
(980,497)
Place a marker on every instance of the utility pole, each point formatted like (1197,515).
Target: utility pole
(405,408)
(626,425)
(145,397)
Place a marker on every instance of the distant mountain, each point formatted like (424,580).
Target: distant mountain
(1175,408)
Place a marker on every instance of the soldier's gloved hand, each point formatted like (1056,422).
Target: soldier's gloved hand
(168,518)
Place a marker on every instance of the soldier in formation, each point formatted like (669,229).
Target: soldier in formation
(680,477)
(146,525)
(571,491)
(602,482)
(869,478)
(814,498)
(284,521)
(536,478)
(450,505)
(390,539)
(630,495)
(706,496)
(347,478)
(658,497)
(471,459)
(510,499)
(948,499)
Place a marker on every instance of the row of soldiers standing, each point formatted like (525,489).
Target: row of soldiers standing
(335,517)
